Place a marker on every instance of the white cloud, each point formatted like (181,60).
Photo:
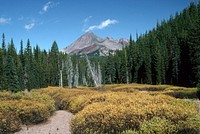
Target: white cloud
(102,25)
(29,26)
(47,6)
(4,20)
(87,19)
(85,22)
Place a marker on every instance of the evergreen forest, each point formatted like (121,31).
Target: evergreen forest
(167,54)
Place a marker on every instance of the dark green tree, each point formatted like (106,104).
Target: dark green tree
(20,67)
(195,47)
(29,75)
(11,71)
(4,84)
(54,65)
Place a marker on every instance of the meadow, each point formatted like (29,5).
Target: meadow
(112,109)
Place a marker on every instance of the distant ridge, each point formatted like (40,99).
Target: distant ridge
(91,44)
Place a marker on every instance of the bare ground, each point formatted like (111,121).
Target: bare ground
(58,123)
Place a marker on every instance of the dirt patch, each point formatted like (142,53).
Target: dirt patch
(58,123)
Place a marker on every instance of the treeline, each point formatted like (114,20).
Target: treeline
(24,70)
(33,68)
(167,54)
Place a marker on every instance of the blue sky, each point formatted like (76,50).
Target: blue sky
(43,21)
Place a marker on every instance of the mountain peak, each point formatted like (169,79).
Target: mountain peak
(89,33)
(89,43)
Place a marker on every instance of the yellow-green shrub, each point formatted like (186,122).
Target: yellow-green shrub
(35,96)
(130,132)
(27,110)
(157,125)
(9,122)
(42,98)
(62,97)
(182,92)
(117,112)
(5,95)
(134,87)
(190,125)
(32,111)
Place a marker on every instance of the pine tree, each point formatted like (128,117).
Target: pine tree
(20,68)
(28,76)
(20,74)
(3,47)
(130,53)
(185,62)
(44,72)
(37,67)
(195,47)
(54,65)
(1,68)
(156,63)
(111,70)
(11,71)
(147,62)
(4,84)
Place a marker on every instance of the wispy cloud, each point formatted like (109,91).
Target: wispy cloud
(47,6)
(29,26)
(85,22)
(102,25)
(4,20)
(87,19)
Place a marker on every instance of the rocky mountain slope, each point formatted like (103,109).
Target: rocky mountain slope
(91,44)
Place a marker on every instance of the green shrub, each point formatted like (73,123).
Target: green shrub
(191,125)
(5,95)
(17,108)
(9,122)
(157,126)
(183,93)
(130,132)
(116,112)
(28,111)
(198,91)
(31,112)
(42,98)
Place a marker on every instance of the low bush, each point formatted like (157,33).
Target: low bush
(9,122)
(31,112)
(5,95)
(28,111)
(118,112)
(130,132)
(63,97)
(113,109)
(157,125)
(198,91)
(42,98)
(182,93)
(23,108)
(134,87)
